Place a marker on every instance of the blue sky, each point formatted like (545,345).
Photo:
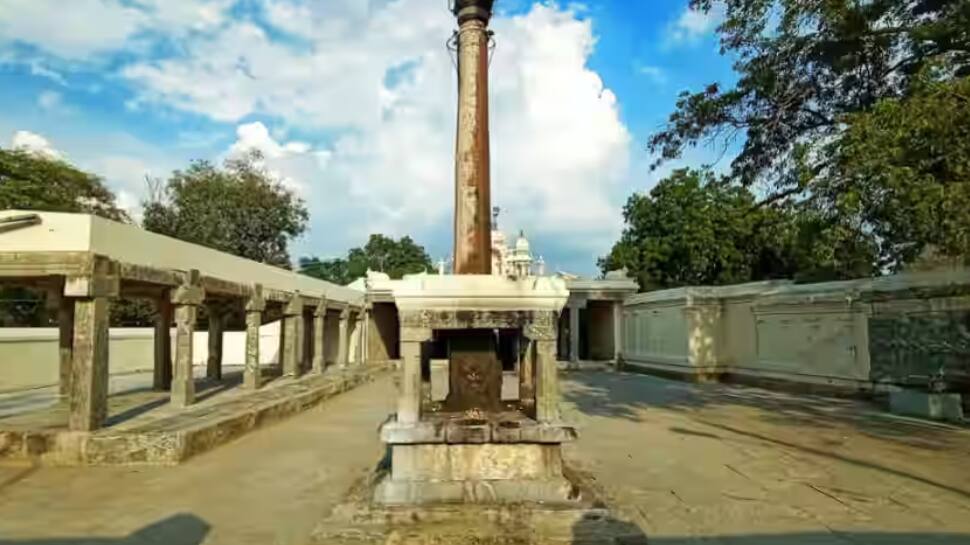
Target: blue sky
(352,103)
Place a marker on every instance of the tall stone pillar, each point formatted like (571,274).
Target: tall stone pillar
(319,337)
(186,299)
(213,367)
(343,337)
(293,336)
(162,375)
(409,386)
(255,306)
(88,394)
(574,331)
(473,245)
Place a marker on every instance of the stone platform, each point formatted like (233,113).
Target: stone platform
(144,429)
(447,458)
(586,521)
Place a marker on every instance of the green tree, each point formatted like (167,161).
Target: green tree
(903,169)
(240,209)
(31,181)
(381,253)
(828,91)
(802,66)
(694,229)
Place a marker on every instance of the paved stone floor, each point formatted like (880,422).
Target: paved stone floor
(683,462)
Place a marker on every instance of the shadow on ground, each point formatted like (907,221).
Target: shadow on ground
(180,529)
(632,396)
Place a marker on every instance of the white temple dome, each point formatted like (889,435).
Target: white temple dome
(522,244)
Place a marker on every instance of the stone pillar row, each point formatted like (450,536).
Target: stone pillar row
(83,307)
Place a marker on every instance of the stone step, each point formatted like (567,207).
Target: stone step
(500,525)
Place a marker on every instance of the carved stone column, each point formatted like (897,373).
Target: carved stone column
(65,342)
(186,299)
(361,336)
(162,376)
(574,308)
(542,333)
(343,337)
(617,332)
(293,336)
(255,306)
(88,394)
(213,368)
(319,337)
(409,386)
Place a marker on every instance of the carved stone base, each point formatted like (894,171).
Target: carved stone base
(476,473)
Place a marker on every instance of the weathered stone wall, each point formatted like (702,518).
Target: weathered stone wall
(862,334)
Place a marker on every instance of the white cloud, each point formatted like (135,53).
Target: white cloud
(559,149)
(692,25)
(79,30)
(33,143)
(370,89)
(50,100)
(654,73)
(72,30)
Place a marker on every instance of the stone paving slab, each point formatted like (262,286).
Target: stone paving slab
(678,463)
(168,435)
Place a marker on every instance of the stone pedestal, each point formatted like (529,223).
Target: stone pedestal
(477,449)
(445,459)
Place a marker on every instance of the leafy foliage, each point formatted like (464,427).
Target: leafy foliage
(854,115)
(695,229)
(903,169)
(239,209)
(805,64)
(30,181)
(381,253)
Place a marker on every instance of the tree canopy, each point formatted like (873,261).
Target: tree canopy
(694,228)
(852,114)
(802,66)
(31,181)
(381,253)
(240,209)
(903,169)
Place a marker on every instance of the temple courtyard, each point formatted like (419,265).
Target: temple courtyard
(675,462)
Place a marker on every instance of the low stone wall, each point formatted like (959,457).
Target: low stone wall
(29,356)
(855,335)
